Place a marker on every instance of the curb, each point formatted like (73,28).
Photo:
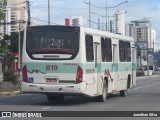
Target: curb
(10,93)
(141,77)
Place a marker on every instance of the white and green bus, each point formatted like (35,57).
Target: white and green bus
(61,61)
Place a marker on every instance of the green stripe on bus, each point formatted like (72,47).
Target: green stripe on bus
(72,68)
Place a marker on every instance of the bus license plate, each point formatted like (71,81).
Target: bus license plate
(51,80)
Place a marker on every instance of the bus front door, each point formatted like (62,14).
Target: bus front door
(133,67)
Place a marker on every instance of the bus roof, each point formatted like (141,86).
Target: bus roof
(108,34)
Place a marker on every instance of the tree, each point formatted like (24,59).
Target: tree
(14,42)
(4,42)
(14,37)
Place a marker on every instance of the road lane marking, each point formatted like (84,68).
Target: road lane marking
(146,86)
(46,108)
(37,97)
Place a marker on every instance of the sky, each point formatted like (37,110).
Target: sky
(61,9)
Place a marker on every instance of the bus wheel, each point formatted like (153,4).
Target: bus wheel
(129,82)
(123,93)
(58,98)
(103,97)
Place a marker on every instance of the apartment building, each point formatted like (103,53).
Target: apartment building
(14,11)
(144,35)
(6,29)
(119,22)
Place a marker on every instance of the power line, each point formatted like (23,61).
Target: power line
(43,21)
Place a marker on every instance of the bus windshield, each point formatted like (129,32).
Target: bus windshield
(52,41)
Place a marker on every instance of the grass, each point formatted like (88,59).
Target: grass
(9,89)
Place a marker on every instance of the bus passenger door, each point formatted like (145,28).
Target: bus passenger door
(97,67)
(115,68)
(133,66)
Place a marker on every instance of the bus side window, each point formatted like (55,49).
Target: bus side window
(127,51)
(106,50)
(89,48)
(103,49)
(122,51)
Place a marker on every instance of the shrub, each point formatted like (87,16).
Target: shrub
(10,76)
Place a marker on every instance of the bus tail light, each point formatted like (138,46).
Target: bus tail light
(24,74)
(79,76)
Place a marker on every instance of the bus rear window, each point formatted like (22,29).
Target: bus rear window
(50,44)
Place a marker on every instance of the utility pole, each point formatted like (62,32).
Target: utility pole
(98,23)
(48,12)
(150,37)
(90,14)
(29,14)
(106,15)
(19,48)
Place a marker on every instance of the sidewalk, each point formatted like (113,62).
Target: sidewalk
(140,74)
(146,76)
(7,88)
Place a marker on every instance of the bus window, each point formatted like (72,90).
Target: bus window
(89,48)
(106,50)
(122,51)
(103,50)
(41,41)
(127,52)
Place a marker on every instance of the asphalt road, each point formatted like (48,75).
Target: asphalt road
(145,97)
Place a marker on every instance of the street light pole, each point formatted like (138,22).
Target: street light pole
(90,14)
(150,30)
(48,12)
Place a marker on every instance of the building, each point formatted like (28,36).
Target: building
(14,11)
(6,29)
(119,26)
(140,30)
(145,37)
(18,12)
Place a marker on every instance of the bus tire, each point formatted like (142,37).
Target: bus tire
(58,98)
(129,82)
(103,97)
(123,93)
